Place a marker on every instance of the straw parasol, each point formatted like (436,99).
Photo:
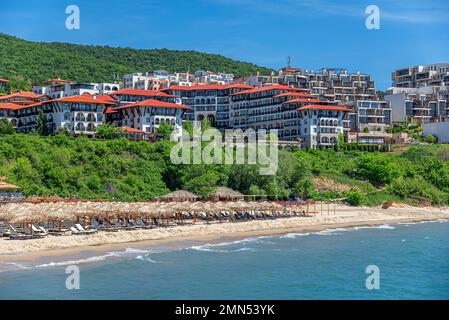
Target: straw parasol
(180,196)
(226,194)
(7,186)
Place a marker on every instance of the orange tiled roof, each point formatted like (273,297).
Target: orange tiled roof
(294,94)
(130,130)
(3,80)
(21,94)
(81,99)
(9,106)
(154,103)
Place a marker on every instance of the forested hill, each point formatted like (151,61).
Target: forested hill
(36,62)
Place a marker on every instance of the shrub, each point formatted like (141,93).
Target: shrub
(431,139)
(355,198)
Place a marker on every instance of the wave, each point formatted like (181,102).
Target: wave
(208,248)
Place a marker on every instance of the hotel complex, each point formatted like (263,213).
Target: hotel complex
(312,109)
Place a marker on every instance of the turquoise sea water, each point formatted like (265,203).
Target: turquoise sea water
(413,260)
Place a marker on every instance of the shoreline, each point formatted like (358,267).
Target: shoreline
(345,217)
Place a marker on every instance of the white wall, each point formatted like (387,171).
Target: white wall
(439,130)
(397,107)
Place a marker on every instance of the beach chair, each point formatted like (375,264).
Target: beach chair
(37,233)
(84,231)
(74,231)
(16,235)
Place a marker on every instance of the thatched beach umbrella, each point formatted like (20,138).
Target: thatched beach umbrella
(180,196)
(226,194)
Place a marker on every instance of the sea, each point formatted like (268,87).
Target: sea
(400,261)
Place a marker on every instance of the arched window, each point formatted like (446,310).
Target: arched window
(156,121)
(80,127)
(80,117)
(91,117)
(90,127)
(108,88)
(114,89)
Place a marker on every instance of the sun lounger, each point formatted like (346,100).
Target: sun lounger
(74,231)
(15,235)
(81,230)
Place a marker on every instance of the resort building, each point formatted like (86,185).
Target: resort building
(419,105)
(422,76)
(78,114)
(127,96)
(321,126)
(162,79)
(60,88)
(209,102)
(368,122)
(338,85)
(147,116)
(270,107)
(23,98)
(9,111)
(207,77)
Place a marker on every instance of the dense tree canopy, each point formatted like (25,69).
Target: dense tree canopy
(26,62)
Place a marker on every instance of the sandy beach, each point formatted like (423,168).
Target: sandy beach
(344,216)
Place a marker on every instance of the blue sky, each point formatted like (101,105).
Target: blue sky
(315,33)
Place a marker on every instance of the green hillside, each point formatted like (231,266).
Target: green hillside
(35,62)
(124,170)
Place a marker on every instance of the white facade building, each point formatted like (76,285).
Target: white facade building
(148,115)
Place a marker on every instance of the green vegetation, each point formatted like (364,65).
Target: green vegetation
(6,127)
(101,63)
(165,130)
(107,131)
(125,170)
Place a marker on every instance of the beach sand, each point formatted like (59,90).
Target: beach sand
(344,216)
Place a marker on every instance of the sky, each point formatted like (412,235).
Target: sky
(314,33)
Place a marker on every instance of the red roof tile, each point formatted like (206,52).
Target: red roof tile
(81,99)
(3,80)
(302,100)
(9,106)
(110,110)
(21,94)
(155,104)
(104,97)
(130,130)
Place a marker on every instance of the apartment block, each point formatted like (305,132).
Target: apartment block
(420,105)
(422,76)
